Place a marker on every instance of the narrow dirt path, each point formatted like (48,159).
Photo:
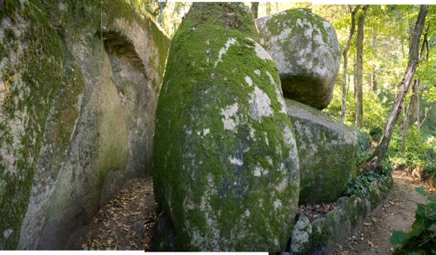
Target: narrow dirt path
(397,212)
(126,222)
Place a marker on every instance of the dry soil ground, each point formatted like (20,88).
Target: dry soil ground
(126,223)
(397,212)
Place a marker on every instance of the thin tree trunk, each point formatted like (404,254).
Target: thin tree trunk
(359,68)
(411,113)
(414,104)
(344,54)
(255,9)
(418,104)
(376,158)
(426,116)
(373,80)
(406,122)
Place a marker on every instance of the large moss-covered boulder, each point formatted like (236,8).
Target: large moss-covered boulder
(307,53)
(78,93)
(225,161)
(327,151)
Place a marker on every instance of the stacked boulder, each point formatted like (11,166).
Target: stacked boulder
(225,157)
(226,165)
(307,53)
(327,152)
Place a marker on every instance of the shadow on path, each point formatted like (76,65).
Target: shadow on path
(126,222)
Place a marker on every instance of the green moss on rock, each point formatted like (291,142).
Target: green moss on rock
(327,151)
(33,79)
(225,163)
(307,53)
(43,74)
(322,235)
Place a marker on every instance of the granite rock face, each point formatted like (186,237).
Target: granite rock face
(307,53)
(78,93)
(225,162)
(327,151)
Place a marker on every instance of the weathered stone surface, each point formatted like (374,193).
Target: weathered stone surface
(300,234)
(78,96)
(225,161)
(327,151)
(165,236)
(323,234)
(307,53)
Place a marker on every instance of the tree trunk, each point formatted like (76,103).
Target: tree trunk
(255,9)
(373,80)
(406,122)
(414,104)
(426,115)
(411,113)
(344,54)
(359,67)
(376,158)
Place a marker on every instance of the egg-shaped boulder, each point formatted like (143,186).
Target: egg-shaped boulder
(307,53)
(225,158)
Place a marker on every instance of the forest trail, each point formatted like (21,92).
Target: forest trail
(127,221)
(396,212)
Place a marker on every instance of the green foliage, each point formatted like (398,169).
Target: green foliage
(422,238)
(419,151)
(364,140)
(362,185)
(375,112)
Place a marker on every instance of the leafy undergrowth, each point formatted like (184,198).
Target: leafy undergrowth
(419,152)
(422,238)
(361,186)
(397,211)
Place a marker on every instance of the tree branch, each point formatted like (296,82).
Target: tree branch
(344,53)
(375,160)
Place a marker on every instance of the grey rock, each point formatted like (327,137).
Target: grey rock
(82,117)
(139,228)
(165,237)
(327,152)
(307,53)
(322,235)
(225,155)
(300,234)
